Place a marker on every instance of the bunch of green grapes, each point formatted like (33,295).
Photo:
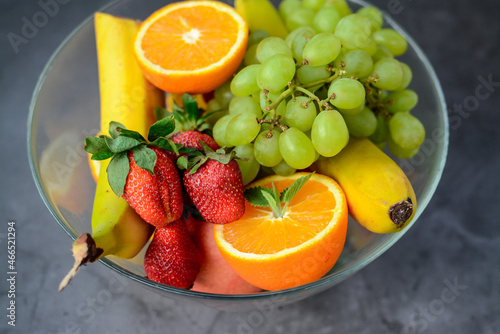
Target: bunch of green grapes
(299,99)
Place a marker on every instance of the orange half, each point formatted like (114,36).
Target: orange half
(191,46)
(280,253)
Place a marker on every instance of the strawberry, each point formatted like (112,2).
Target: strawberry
(156,198)
(172,257)
(141,171)
(191,139)
(216,189)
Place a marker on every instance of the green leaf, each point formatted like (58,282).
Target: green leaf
(98,148)
(114,129)
(191,107)
(166,144)
(182,162)
(195,163)
(121,143)
(254,196)
(118,169)
(161,113)
(275,206)
(290,192)
(161,128)
(190,151)
(145,158)
(132,134)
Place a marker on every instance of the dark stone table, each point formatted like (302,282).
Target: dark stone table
(454,246)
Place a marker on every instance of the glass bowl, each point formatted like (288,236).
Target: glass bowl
(65,109)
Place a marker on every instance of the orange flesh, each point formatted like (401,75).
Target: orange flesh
(215,39)
(309,212)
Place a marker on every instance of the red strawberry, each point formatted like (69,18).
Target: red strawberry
(217,191)
(172,258)
(191,138)
(156,198)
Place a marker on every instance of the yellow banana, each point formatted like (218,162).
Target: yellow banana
(379,195)
(261,15)
(126,97)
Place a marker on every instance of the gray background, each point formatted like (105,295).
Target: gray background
(456,239)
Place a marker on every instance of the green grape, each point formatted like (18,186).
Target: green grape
(283,169)
(266,148)
(382,130)
(308,74)
(321,49)
(214,106)
(329,133)
(352,111)
(299,42)
(406,130)
(249,167)
(354,31)
(242,129)
(392,40)
(296,148)
(401,101)
(407,75)
(370,47)
(251,55)
(286,7)
(219,130)
(245,81)
(340,6)
(300,113)
(381,52)
(300,17)
(272,46)
(256,36)
(313,4)
(357,63)
(374,15)
(347,93)
(389,73)
(244,104)
(300,30)
(398,151)
(223,94)
(362,124)
(326,20)
(276,72)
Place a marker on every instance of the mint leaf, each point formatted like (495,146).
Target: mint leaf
(145,158)
(161,128)
(290,192)
(254,196)
(98,148)
(121,143)
(275,206)
(118,169)
(114,129)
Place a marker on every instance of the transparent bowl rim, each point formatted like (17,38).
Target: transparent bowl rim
(323,282)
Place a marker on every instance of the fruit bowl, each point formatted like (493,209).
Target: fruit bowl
(65,109)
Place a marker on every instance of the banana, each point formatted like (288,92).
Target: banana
(261,15)
(379,195)
(128,98)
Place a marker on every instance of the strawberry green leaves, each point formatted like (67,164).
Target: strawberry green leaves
(197,158)
(188,116)
(268,197)
(121,141)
